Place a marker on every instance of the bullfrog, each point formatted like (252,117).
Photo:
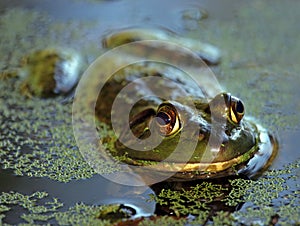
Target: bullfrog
(167,122)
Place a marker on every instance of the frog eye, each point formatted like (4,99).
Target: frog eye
(226,105)
(237,110)
(167,120)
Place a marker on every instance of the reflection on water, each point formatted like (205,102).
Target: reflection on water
(289,146)
(93,191)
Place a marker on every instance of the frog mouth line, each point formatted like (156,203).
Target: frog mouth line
(197,166)
(264,151)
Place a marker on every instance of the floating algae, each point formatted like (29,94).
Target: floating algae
(267,75)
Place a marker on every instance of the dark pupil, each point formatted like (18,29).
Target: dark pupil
(163,118)
(239,107)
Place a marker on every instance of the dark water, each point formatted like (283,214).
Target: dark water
(93,191)
(108,15)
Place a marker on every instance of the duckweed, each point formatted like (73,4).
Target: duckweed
(253,69)
(36,136)
(40,209)
(38,140)
(265,198)
(163,221)
(192,201)
(81,214)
